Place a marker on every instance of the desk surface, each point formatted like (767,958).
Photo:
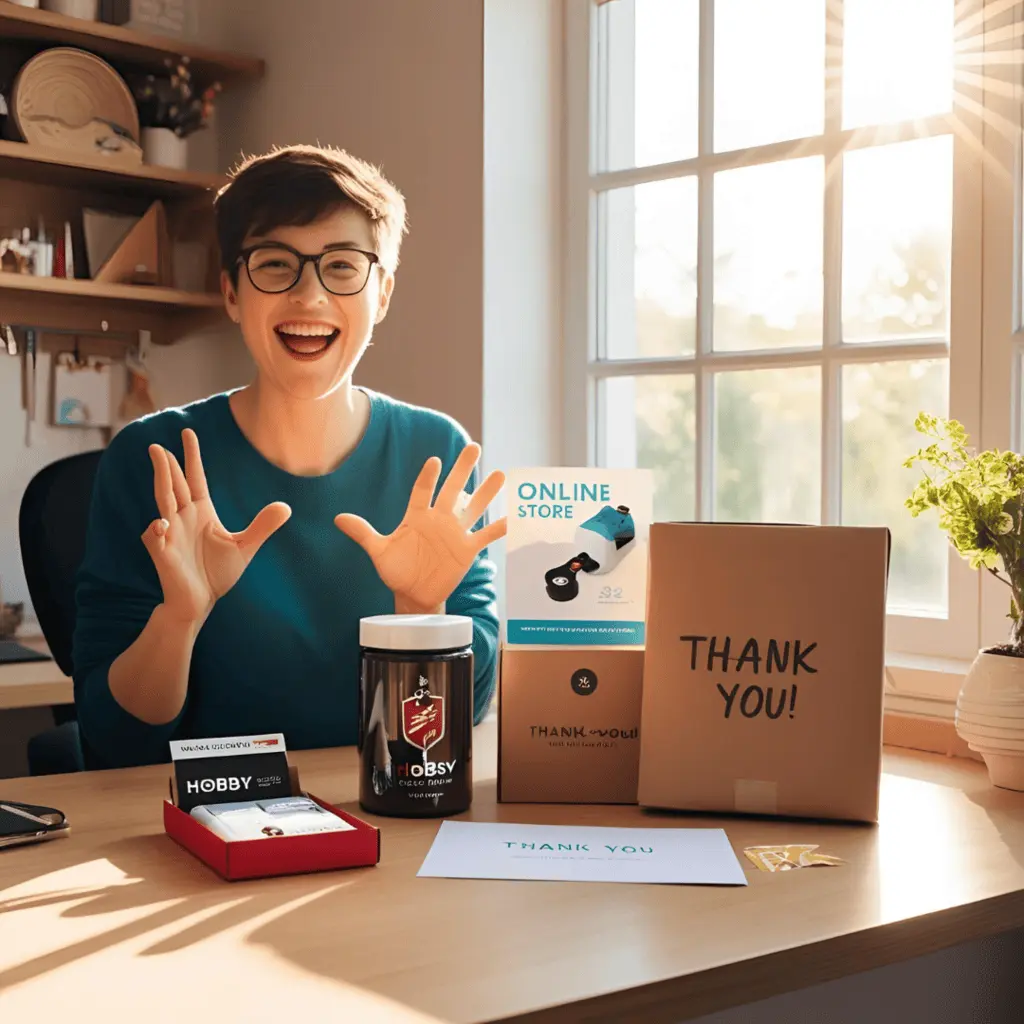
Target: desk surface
(32,684)
(117,917)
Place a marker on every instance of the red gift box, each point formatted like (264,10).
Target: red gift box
(281,855)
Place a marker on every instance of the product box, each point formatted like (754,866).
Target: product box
(576,569)
(764,670)
(217,763)
(569,724)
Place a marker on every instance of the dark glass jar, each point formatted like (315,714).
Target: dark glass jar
(416,715)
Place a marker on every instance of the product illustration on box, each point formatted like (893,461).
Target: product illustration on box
(607,537)
(577,556)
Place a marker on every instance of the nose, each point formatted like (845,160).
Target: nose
(308,289)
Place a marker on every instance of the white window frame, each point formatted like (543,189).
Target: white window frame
(928,655)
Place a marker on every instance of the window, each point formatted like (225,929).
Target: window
(774,263)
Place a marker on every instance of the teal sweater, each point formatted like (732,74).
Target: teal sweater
(280,651)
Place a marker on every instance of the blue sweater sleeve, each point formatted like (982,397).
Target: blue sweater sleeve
(117,590)
(476,597)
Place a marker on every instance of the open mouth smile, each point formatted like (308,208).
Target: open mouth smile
(306,340)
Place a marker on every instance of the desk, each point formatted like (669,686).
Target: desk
(118,919)
(33,684)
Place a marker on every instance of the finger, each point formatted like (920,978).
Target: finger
(153,537)
(195,475)
(458,478)
(359,530)
(482,497)
(267,521)
(490,533)
(423,490)
(182,495)
(163,488)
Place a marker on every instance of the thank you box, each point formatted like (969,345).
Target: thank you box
(764,670)
(576,571)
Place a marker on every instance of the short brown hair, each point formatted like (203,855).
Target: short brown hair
(296,185)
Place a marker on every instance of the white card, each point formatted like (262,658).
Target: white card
(576,571)
(576,853)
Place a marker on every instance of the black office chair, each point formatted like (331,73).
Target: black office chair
(52,526)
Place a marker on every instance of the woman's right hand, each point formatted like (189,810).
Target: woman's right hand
(197,560)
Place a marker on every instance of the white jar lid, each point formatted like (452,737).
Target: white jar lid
(416,632)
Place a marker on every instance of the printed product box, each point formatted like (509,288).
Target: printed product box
(569,724)
(576,572)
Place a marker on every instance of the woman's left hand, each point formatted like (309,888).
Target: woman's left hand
(433,547)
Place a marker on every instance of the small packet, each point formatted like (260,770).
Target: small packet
(786,858)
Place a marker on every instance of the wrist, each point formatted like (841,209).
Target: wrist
(186,625)
(406,606)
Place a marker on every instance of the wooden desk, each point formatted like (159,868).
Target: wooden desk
(33,684)
(118,919)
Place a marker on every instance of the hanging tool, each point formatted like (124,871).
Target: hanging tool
(10,340)
(30,383)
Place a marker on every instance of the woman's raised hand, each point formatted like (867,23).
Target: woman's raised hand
(433,547)
(197,560)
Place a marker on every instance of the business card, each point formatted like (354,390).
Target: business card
(230,768)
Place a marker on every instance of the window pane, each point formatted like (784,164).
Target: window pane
(649,422)
(648,109)
(648,269)
(768,255)
(769,71)
(880,404)
(768,446)
(897,238)
(897,60)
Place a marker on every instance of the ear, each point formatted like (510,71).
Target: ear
(230,293)
(384,302)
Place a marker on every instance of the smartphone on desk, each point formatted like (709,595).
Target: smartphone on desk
(29,823)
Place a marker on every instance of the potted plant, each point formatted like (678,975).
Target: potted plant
(170,110)
(980,500)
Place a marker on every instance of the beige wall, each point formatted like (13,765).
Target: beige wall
(399,84)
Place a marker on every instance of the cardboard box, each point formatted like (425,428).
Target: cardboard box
(285,855)
(764,670)
(569,724)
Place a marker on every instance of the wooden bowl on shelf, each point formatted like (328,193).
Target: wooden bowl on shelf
(65,98)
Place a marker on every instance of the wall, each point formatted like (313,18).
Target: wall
(399,84)
(522,239)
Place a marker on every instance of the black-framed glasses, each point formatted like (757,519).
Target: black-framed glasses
(275,267)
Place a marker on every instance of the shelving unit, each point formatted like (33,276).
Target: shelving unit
(122,46)
(22,162)
(36,181)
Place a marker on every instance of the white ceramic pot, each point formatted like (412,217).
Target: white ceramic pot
(87,9)
(160,146)
(988,716)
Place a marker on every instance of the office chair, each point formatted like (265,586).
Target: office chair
(52,525)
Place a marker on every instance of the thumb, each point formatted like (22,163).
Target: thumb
(269,519)
(359,530)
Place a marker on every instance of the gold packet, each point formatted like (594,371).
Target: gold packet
(786,858)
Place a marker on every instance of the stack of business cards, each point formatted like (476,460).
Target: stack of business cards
(267,819)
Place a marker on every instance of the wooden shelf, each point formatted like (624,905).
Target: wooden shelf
(23,162)
(120,45)
(93,307)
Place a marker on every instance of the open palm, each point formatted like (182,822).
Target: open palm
(433,547)
(196,559)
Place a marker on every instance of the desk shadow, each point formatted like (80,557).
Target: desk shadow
(156,871)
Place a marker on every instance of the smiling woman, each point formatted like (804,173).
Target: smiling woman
(313,504)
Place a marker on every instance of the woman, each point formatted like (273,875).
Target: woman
(274,517)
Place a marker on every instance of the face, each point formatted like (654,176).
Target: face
(307,341)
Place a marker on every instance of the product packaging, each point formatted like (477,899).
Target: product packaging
(569,724)
(764,670)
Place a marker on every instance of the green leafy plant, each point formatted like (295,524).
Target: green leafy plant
(980,500)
